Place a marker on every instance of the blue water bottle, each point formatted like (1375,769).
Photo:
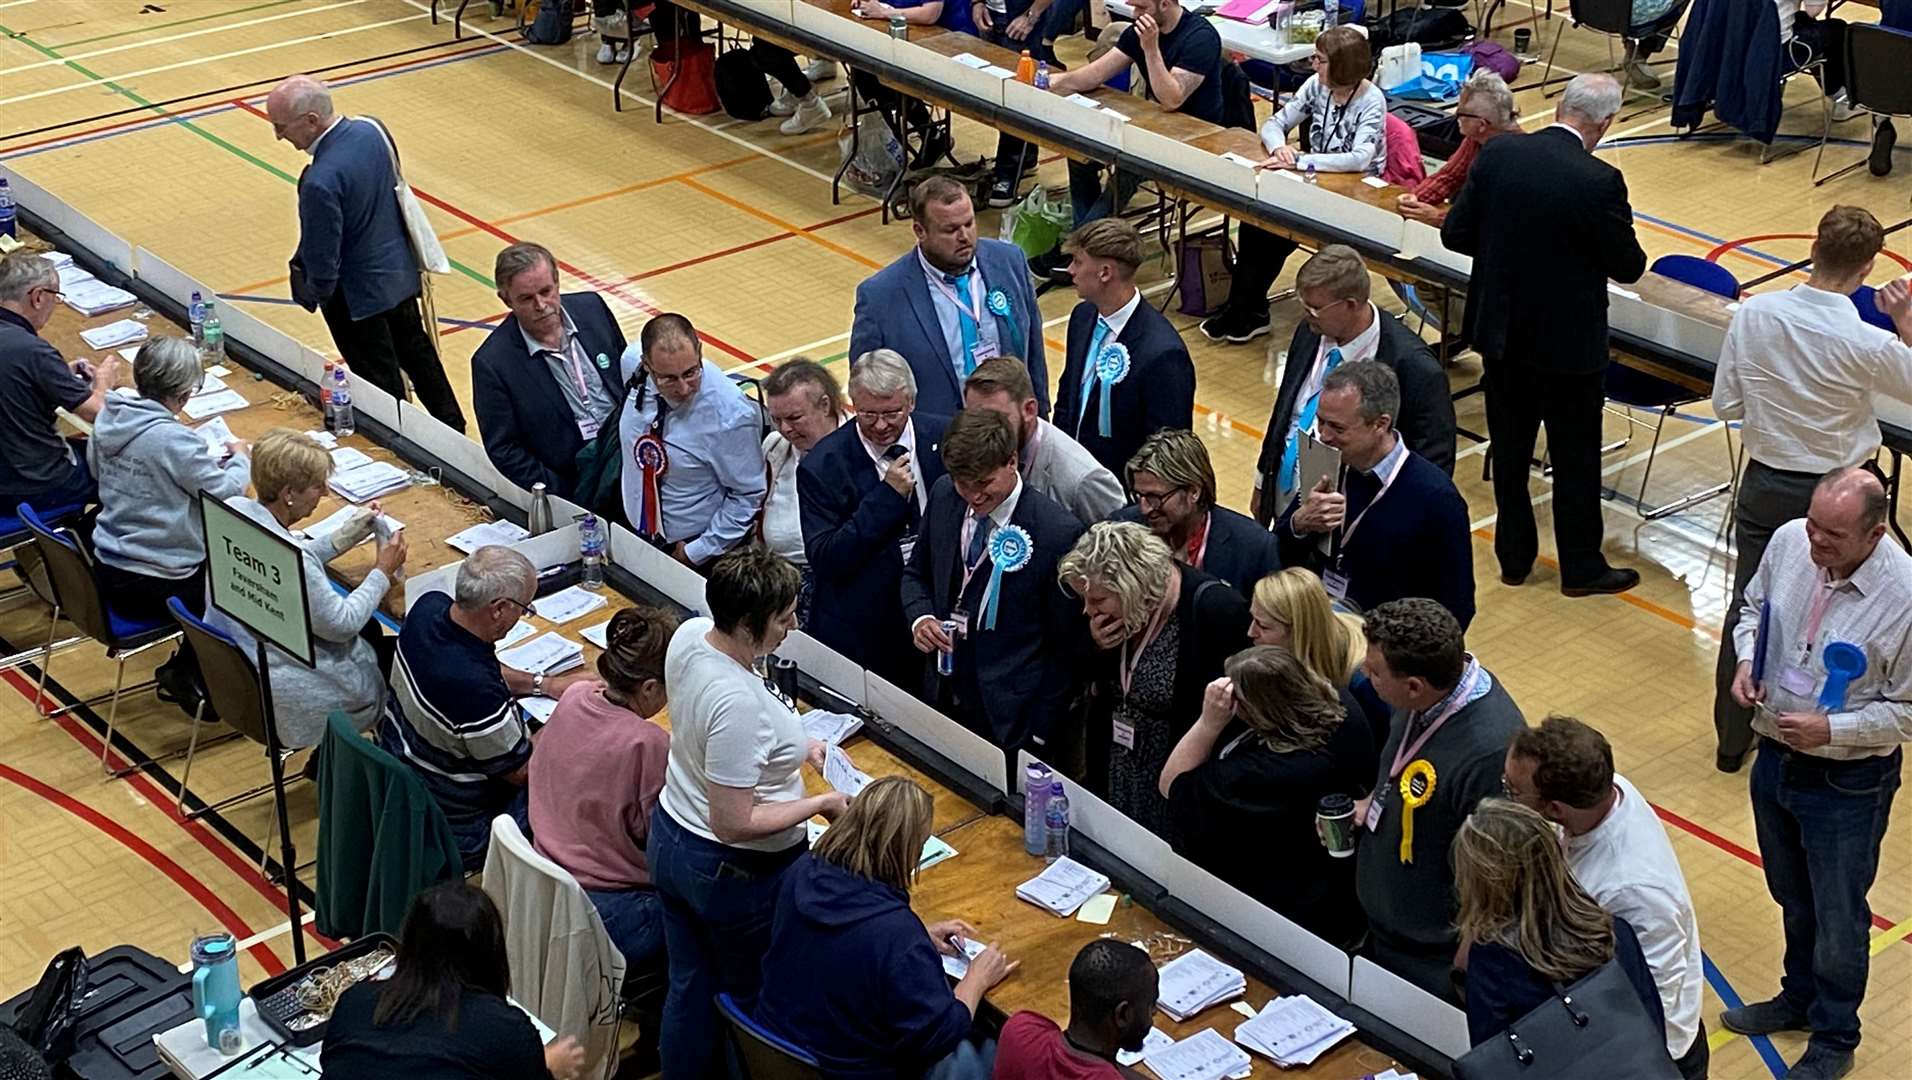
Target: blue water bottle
(9,218)
(216,989)
(1036,780)
(1055,824)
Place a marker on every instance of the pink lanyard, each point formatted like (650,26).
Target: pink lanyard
(1822,595)
(1462,694)
(1128,665)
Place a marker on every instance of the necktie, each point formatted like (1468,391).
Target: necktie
(1096,339)
(965,318)
(978,539)
(1291,454)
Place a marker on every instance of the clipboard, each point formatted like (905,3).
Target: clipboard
(1315,459)
(1759,642)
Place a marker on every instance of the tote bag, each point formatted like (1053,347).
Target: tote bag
(1595,1029)
(425,245)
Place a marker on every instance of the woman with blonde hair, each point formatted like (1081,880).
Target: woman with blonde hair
(1290,608)
(1527,928)
(852,975)
(1163,629)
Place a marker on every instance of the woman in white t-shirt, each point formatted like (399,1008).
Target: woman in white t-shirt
(731,816)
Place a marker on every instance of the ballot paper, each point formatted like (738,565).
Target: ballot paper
(113,334)
(830,727)
(368,482)
(324,438)
(550,653)
(1292,1031)
(958,966)
(1157,1039)
(970,60)
(72,277)
(383,525)
(599,635)
(95,297)
(538,708)
(1195,981)
(210,384)
(841,773)
(1062,887)
(517,633)
(346,458)
(503,533)
(217,434)
(57,258)
(201,406)
(1205,1055)
(935,849)
(567,604)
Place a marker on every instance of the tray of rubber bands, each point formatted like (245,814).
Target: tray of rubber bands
(298,1004)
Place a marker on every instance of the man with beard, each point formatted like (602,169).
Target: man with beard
(1112,988)
(1051,461)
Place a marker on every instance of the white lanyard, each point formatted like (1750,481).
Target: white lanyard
(1347,529)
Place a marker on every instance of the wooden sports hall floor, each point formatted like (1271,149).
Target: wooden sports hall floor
(148,118)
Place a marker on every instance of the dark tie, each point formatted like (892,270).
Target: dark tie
(978,540)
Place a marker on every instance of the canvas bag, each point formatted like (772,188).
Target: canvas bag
(425,245)
(1202,273)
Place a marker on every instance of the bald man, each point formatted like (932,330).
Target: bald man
(1829,758)
(355,263)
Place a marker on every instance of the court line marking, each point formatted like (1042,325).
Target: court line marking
(1768,1053)
(180,37)
(168,25)
(14,3)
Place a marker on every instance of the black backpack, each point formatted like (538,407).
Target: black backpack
(741,87)
(553,24)
(1432,28)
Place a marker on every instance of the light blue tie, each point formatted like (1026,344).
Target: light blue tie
(1100,335)
(965,319)
(1291,455)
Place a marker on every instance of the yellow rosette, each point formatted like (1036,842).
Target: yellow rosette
(1417,787)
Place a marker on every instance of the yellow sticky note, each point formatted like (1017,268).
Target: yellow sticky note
(1097,910)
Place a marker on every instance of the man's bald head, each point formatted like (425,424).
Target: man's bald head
(300,109)
(1847,519)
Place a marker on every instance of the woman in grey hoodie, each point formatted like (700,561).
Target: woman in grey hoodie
(151,469)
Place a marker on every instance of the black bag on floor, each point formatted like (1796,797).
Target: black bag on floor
(45,1019)
(553,24)
(742,89)
(1432,28)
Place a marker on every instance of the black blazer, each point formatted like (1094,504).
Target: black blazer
(1427,405)
(529,431)
(853,523)
(1416,541)
(1547,224)
(1028,663)
(1240,552)
(1158,392)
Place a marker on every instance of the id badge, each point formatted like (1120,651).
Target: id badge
(960,617)
(986,351)
(1125,735)
(1336,583)
(588,427)
(1373,821)
(906,544)
(1797,681)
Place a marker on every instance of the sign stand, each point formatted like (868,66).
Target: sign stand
(257,577)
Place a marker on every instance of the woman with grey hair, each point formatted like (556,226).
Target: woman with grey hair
(151,470)
(1163,630)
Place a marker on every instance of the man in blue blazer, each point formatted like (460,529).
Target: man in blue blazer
(1174,486)
(1120,348)
(861,492)
(355,263)
(546,379)
(1013,666)
(1395,526)
(951,302)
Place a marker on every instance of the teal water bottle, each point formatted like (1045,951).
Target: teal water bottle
(216,989)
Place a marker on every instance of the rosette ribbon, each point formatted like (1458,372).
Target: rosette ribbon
(1010,549)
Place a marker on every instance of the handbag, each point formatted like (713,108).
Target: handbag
(418,227)
(1594,1029)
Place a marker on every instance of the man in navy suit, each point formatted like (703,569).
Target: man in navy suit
(1120,349)
(951,302)
(1174,487)
(1394,526)
(861,492)
(355,263)
(546,379)
(1012,668)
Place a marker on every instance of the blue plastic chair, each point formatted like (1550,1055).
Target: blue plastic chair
(765,1055)
(1866,299)
(1699,273)
(14,534)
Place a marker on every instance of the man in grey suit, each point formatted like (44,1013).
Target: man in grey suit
(1051,461)
(951,302)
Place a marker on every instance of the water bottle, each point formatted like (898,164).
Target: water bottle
(216,990)
(343,422)
(212,346)
(1035,808)
(899,28)
(325,395)
(1330,13)
(197,312)
(9,218)
(1055,824)
(539,522)
(1042,74)
(1310,174)
(1283,22)
(591,547)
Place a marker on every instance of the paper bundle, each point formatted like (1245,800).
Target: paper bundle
(830,727)
(503,533)
(367,482)
(1293,1031)
(95,297)
(567,604)
(1205,1055)
(113,334)
(1195,981)
(1062,887)
(550,653)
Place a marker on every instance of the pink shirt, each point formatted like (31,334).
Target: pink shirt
(594,779)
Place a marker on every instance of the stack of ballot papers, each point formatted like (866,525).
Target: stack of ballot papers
(599,635)
(383,525)
(226,399)
(114,334)
(841,773)
(935,850)
(72,276)
(550,653)
(514,635)
(1062,887)
(830,727)
(1293,1031)
(324,438)
(1156,1039)
(346,458)
(567,604)
(491,532)
(1194,981)
(1205,1055)
(539,708)
(95,297)
(57,258)
(367,482)
(217,435)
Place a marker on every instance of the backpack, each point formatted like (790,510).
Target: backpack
(45,1021)
(1493,56)
(741,87)
(1432,28)
(553,24)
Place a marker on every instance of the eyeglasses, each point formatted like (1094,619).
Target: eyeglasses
(1152,500)
(1315,313)
(513,601)
(57,294)
(883,416)
(680,379)
(1459,115)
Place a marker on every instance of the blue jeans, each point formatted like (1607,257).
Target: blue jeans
(1089,197)
(718,903)
(634,919)
(474,837)
(1819,824)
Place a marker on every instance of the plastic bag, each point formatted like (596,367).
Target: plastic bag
(874,155)
(1440,80)
(1038,223)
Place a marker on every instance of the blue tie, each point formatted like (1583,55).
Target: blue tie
(965,319)
(1100,335)
(978,540)
(1291,455)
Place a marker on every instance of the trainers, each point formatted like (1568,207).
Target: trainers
(820,70)
(1226,327)
(784,104)
(1842,109)
(1821,1063)
(1001,193)
(1046,266)
(1763,1018)
(811,111)
(607,53)
(1883,139)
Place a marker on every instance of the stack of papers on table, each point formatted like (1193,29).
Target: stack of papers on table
(841,773)
(1156,1039)
(491,532)
(550,653)
(567,604)
(599,635)
(1062,887)
(57,258)
(514,635)
(539,708)
(96,297)
(1194,981)
(207,385)
(200,406)
(324,438)
(367,482)
(114,334)
(830,727)
(346,458)
(1205,1055)
(71,277)
(1293,1031)
(217,435)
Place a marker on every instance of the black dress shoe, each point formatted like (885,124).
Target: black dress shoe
(1508,577)
(1616,579)
(1763,1018)
(1880,161)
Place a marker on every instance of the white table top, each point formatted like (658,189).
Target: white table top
(1258,41)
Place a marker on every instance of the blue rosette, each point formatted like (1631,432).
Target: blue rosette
(1010,549)
(1111,367)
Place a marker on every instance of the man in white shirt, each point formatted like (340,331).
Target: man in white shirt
(805,404)
(1620,854)
(1798,370)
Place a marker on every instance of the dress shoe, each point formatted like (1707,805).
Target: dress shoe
(1508,577)
(1616,579)
(1821,1063)
(1763,1018)
(1880,160)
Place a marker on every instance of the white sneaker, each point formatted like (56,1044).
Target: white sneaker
(811,111)
(784,104)
(607,53)
(1842,109)
(820,70)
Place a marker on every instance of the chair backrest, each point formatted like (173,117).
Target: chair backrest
(232,686)
(766,1056)
(1866,299)
(1879,69)
(1401,150)
(1606,16)
(1699,273)
(69,570)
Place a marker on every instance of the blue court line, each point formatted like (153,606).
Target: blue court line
(244,299)
(1767,1051)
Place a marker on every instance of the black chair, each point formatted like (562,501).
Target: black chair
(766,1056)
(1611,18)
(1878,80)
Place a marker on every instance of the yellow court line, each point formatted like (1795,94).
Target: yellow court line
(781,224)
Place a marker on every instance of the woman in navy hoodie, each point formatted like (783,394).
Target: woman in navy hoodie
(852,975)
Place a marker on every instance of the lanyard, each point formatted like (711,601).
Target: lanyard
(1455,700)
(1149,634)
(1347,528)
(1822,595)
(968,536)
(973,307)
(1198,543)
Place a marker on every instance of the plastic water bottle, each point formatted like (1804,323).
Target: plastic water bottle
(342,422)
(1055,824)
(591,547)
(1042,74)
(9,218)
(1310,174)
(212,344)
(1035,808)
(1330,13)
(197,312)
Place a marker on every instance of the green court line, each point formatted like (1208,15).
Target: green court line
(175,22)
(475,275)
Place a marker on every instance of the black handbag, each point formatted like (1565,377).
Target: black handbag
(1594,1029)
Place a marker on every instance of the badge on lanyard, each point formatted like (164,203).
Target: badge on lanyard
(1372,822)
(1797,680)
(588,428)
(1124,735)
(1336,583)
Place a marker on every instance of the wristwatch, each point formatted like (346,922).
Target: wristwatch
(537,683)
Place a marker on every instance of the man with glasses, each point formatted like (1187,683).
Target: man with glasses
(1344,327)
(1174,487)
(1484,112)
(37,466)
(693,470)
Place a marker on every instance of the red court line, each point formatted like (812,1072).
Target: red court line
(1734,245)
(1731,848)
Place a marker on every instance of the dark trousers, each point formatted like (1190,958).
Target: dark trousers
(780,64)
(1259,257)
(718,903)
(1010,149)
(634,921)
(76,488)
(379,348)
(143,597)
(474,837)
(1092,200)
(1816,38)
(1693,1064)
(1654,33)
(1432,971)
(1819,824)
(1768,498)
(1520,398)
